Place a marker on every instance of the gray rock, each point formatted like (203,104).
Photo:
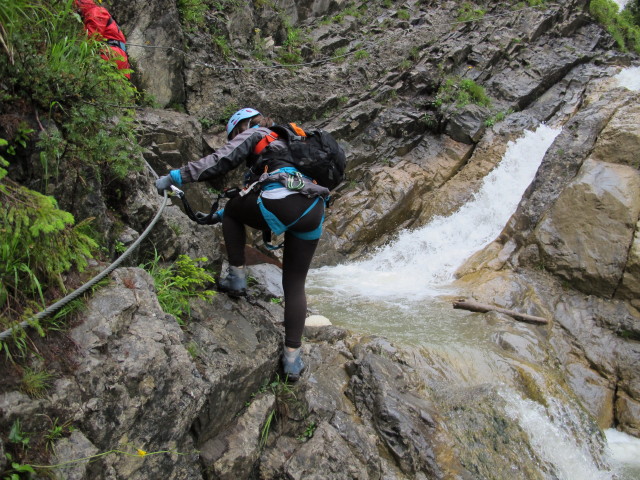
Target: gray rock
(586,236)
(233,453)
(70,449)
(155,47)
(269,277)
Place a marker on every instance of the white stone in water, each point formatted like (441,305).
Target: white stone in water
(317,321)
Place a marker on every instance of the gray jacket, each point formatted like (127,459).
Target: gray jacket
(233,154)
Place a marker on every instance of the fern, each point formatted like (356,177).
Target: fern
(38,243)
(177,284)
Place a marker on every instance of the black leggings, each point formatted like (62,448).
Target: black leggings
(297,255)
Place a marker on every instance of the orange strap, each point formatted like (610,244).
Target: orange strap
(266,140)
(298,130)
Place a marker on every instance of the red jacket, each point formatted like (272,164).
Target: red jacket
(100,23)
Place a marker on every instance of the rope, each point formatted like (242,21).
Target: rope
(73,295)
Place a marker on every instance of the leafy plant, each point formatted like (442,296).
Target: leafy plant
(179,283)
(17,436)
(62,73)
(291,53)
(17,469)
(403,14)
(222,45)
(309,431)
(192,13)
(498,117)
(38,242)
(361,55)
(623,26)
(468,12)
(405,64)
(21,138)
(57,431)
(339,54)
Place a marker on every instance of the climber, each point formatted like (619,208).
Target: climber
(100,23)
(264,204)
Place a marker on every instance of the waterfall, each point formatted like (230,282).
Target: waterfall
(421,263)
(624,451)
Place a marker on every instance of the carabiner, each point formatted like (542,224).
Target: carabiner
(295,181)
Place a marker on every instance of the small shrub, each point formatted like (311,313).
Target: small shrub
(361,55)
(339,54)
(38,242)
(461,92)
(404,15)
(192,13)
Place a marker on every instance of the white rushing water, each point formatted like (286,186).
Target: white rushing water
(624,452)
(554,442)
(629,78)
(420,263)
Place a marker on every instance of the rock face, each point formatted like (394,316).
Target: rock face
(155,44)
(204,401)
(586,236)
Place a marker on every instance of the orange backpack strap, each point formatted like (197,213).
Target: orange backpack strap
(264,143)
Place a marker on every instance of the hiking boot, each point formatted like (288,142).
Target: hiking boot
(235,283)
(292,364)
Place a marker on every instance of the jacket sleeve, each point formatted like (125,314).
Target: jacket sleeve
(225,159)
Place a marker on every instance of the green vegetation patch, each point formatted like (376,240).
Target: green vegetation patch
(623,26)
(38,242)
(469,12)
(461,92)
(178,284)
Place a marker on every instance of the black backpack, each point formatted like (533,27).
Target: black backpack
(315,153)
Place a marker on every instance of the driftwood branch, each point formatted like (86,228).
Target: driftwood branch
(472,306)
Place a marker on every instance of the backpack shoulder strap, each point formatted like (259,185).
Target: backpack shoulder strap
(287,132)
(264,142)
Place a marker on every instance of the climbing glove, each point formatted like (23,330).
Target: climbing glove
(164,183)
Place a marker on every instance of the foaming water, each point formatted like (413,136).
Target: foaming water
(624,451)
(553,441)
(629,78)
(421,263)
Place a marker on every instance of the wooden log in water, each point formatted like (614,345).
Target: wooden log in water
(472,306)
